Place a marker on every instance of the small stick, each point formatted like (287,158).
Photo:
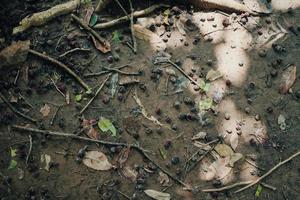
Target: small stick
(54,115)
(167,85)
(96,94)
(123,194)
(126,18)
(181,70)
(30,149)
(269,172)
(132,29)
(57,88)
(61,65)
(103,72)
(121,72)
(86,27)
(17,77)
(14,110)
(73,50)
(236,185)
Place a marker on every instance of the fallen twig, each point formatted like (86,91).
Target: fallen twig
(94,33)
(30,149)
(59,91)
(96,94)
(269,172)
(61,65)
(14,110)
(104,72)
(132,29)
(73,50)
(126,18)
(121,72)
(106,143)
(101,5)
(185,74)
(40,18)
(55,114)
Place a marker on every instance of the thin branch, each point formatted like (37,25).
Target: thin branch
(126,18)
(104,72)
(30,149)
(132,29)
(121,72)
(269,172)
(96,94)
(73,50)
(59,91)
(14,110)
(61,65)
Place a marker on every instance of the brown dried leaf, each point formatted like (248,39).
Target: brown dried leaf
(103,47)
(123,156)
(88,15)
(45,110)
(97,160)
(288,79)
(129,173)
(93,133)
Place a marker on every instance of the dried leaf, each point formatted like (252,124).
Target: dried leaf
(123,156)
(213,75)
(97,160)
(163,179)
(129,173)
(200,135)
(288,79)
(103,47)
(106,125)
(234,158)
(222,167)
(93,133)
(88,15)
(158,195)
(45,110)
(46,159)
(224,150)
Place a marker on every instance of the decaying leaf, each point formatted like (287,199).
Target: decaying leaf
(129,173)
(88,15)
(46,159)
(163,179)
(123,156)
(93,133)
(103,47)
(235,158)
(15,53)
(106,125)
(41,18)
(288,79)
(213,75)
(97,160)
(147,35)
(158,195)
(45,110)
(222,168)
(199,136)
(224,150)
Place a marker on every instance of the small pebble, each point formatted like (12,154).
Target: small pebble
(262,53)
(257,117)
(177,104)
(247,110)
(175,160)
(227,116)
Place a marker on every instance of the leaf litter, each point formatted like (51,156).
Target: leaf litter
(97,161)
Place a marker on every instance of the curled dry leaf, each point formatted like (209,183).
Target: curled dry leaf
(129,173)
(97,160)
(103,47)
(45,110)
(288,79)
(158,195)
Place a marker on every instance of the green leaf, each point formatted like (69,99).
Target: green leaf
(12,164)
(205,104)
(78,97)
(258,191)
(116,37)
(93,20)
(89,91)
(203,86)
(106,125)
(13,152)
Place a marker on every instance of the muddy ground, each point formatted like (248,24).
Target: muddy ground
(68,179)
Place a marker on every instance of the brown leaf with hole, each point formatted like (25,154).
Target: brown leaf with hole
(45,110)
(288,79)
(103,47)
(97,161)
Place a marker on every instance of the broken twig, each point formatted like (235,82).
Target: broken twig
(30,149)
(61,65)
(269,172)
(14,110)
(73,50)
(126,18)
(96,94)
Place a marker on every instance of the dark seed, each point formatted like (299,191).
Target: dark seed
(175,160)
